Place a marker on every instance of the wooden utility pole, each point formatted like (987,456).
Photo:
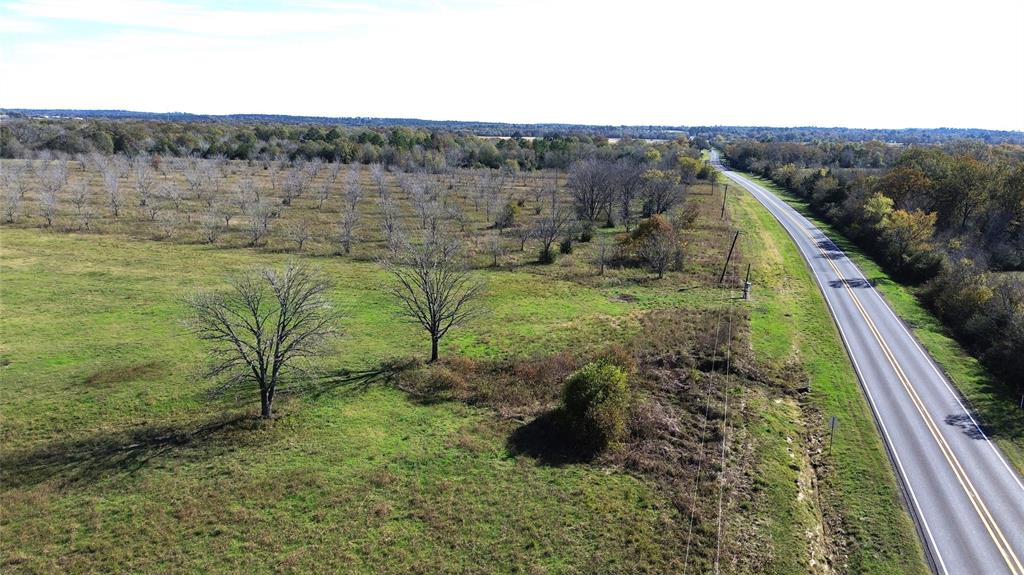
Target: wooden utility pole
(725,196)
(729,257)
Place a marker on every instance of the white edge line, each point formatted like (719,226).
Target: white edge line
(917,345)
(860,376)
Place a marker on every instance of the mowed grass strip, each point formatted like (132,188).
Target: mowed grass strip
(863,513)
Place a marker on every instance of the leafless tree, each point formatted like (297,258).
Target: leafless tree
(225,210)
(323,193)
(51,184)
(294,185)
(196,176)
(348,227)
(262,326)
(379,176)
(143,172)
(259,215)
(85,217)
(171,194)
(496,247)
(661,250)
(112,183)
(454,213)
(550,226)
(627,179)
(167,223)
(389,221)
(211,226)
(12,205)
(591,190)
(433,286)
(80,196)
(299,231)
(524,233)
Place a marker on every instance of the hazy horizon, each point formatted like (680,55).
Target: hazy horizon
(875,65)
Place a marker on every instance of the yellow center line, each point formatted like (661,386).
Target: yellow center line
(965,483)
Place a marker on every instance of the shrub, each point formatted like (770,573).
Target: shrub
(597,403)
(508,217)
(565,246)
(586,232)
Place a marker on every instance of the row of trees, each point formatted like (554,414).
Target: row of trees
(950,217)
(406,147)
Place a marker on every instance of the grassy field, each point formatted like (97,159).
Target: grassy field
(866,527)
(116,458)
(994,404)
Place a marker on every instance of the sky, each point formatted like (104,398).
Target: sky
(865,64)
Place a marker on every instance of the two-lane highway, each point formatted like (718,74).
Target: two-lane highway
(967,500)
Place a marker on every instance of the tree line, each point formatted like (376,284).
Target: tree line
(949,217)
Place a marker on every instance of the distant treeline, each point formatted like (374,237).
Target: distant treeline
(950,217)
(654,132)
(894,136)
(402,146)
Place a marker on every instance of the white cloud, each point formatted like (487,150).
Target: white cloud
(872,64)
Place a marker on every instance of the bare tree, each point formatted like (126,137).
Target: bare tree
(294,185)
(660,250)
(550,226)
(524,233)
(299,231)
(167,223)
(496,247)
(259,216)
(48,205)
(224,210)
(171,194)
(348,227)
(12,205)
(323,193)
(378,174)
(142,170)
(210,226)
(389,221)
(80,197)
(262,326)
(434,287)
(112,183)
(591,190)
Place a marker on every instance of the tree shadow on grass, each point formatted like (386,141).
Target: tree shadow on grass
(84,460)
(549,440)
(346,382)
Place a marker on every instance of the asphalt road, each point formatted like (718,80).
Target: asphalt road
(966,499)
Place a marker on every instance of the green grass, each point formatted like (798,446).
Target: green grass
(991,401)
(116,458)
(791,324)
(100,379)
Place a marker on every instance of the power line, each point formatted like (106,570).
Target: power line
(703,435)
(725,441)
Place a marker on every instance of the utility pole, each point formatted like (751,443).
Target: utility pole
(746,284)
(729,257)
(725,196)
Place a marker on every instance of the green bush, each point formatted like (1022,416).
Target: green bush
(508,217)
(596,401)
(586,232)
(565,246)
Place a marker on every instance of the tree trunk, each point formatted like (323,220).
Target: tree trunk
(265,400)
(433,350)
